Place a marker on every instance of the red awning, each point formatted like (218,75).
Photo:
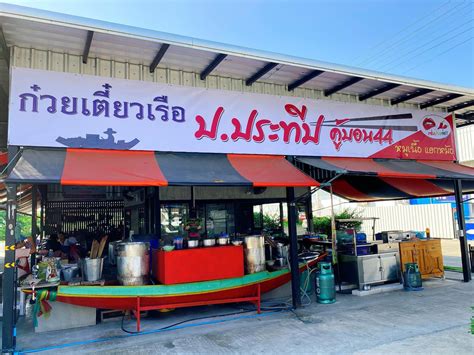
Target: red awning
(111,168)
(96,167)
(384,179)
(393,168)
(269,170)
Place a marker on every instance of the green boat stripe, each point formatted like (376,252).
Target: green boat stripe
(168,290)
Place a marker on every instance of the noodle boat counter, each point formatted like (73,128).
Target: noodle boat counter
(247,288)
(125,297)
(200,264)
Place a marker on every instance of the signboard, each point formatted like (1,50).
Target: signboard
(52,109)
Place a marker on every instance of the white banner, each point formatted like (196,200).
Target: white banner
(52,109)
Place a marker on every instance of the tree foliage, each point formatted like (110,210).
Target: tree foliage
(323,224)
(23,220)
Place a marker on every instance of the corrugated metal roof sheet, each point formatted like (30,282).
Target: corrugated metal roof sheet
(31,28)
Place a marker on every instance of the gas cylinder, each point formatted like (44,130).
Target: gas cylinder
(412,277)
(325,289)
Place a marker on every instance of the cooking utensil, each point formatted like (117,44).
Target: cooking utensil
(94,249)
(222,241)
(92,269)
(193,243)
(69,273)
(133,263)
(101,246)
(209,242)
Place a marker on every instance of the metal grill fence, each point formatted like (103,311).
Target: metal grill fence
(96,217)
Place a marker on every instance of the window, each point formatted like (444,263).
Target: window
(220,218)
(173,219)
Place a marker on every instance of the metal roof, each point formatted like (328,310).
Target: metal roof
(32,28)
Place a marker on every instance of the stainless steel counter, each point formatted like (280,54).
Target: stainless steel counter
(369,269)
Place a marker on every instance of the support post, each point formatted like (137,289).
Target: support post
(295,272)
(157,209)
(9,286)
(34,226)
(309,211)
(44,199)
(146,212)
(333,228)
(466,270)
(282,216)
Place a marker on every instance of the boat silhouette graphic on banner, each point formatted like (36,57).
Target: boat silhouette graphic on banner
(96,141)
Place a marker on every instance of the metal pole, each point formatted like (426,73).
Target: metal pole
(466,270)
(44,197)
(34,226)
(157,213)
(146,211)
(282,226)
(295,272)
(309,212)
(333,229)
(9,286)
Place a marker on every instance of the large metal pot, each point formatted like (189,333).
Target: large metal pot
(133,263)
(254,254)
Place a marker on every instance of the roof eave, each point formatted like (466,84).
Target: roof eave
(59,19)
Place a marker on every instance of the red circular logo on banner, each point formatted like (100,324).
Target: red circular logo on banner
(435,127)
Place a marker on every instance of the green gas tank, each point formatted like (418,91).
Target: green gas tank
(325,286)
(412,277)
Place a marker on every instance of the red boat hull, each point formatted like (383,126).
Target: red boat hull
(118,302)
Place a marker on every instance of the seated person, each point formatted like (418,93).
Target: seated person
(54,245)
(69,247)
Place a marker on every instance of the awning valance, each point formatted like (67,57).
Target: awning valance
(387,179)
(96,167)
(393,168)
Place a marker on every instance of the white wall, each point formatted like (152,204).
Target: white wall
(439,218)
(465,144)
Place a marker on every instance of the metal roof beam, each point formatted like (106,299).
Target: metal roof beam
(343,85)
(460,106)
(465,123)
(217,60)
(311,75)
(377,91)
(87,46)
(439,100)
(260,73)
(159,56)
(409,96)
(468,116)
(5,50)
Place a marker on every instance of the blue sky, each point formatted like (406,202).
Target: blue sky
(427,39)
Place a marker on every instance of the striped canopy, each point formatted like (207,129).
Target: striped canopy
(384,179)
(96,167)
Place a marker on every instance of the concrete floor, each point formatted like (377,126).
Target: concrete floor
(435,320)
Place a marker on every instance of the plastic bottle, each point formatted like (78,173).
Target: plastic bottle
(427,231)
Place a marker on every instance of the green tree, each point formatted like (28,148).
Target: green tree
(23,220)
(323,224)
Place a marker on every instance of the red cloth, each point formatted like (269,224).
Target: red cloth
(200,264)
